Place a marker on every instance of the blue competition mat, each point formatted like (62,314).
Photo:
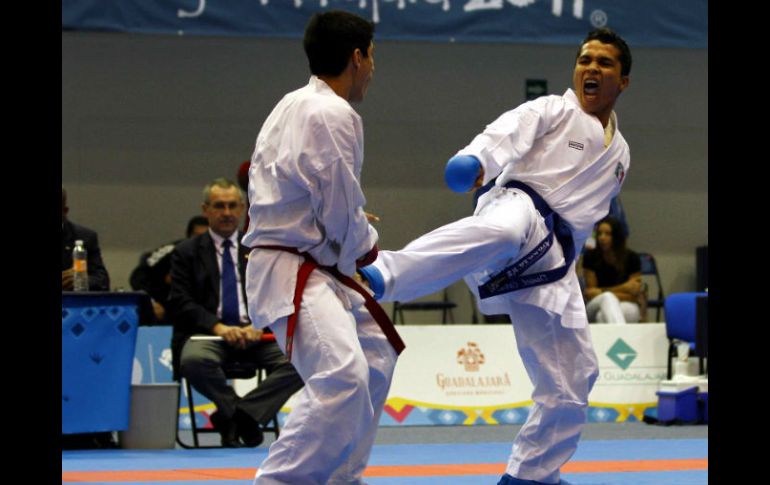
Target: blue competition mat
(664,462)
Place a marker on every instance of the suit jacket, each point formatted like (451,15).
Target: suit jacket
(98,278)
(195,285)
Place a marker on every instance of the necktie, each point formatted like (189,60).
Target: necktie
(230,313)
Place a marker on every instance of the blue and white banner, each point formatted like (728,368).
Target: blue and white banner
(643,23)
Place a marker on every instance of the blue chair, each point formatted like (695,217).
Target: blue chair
(680,324)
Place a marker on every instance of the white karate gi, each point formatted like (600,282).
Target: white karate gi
(558,150)
(304,192)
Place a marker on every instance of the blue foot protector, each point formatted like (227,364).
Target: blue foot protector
(509,480)
(376,282)
(461,172)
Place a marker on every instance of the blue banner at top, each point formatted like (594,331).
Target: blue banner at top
(643,23)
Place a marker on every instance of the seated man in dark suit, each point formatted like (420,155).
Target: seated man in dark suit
(207,298)
(153,273)
(98,279)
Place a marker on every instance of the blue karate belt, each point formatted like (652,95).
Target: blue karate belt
(511,278)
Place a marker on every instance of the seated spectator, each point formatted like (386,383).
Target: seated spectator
(153,274)
(207,298)
(613,278)
(616,212)
(98,279)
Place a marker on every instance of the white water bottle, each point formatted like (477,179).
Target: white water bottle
(80,266)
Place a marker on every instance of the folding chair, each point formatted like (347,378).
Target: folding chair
(444,305)
(651,277)
(233,370)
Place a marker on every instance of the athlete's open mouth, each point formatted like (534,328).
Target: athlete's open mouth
(590,86)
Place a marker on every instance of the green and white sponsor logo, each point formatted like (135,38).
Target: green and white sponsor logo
(622,354)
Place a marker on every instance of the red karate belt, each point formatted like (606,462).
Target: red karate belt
(370,303)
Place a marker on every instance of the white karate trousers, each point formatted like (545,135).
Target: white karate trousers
(347,364)
(607,308)
(562,365)
(560,361)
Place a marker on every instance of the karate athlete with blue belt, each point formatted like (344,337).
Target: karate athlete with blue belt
(550,168)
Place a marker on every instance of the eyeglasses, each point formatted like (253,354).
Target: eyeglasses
(220,206)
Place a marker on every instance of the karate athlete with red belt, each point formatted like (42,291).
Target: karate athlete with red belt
(550,167)
(309,233)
